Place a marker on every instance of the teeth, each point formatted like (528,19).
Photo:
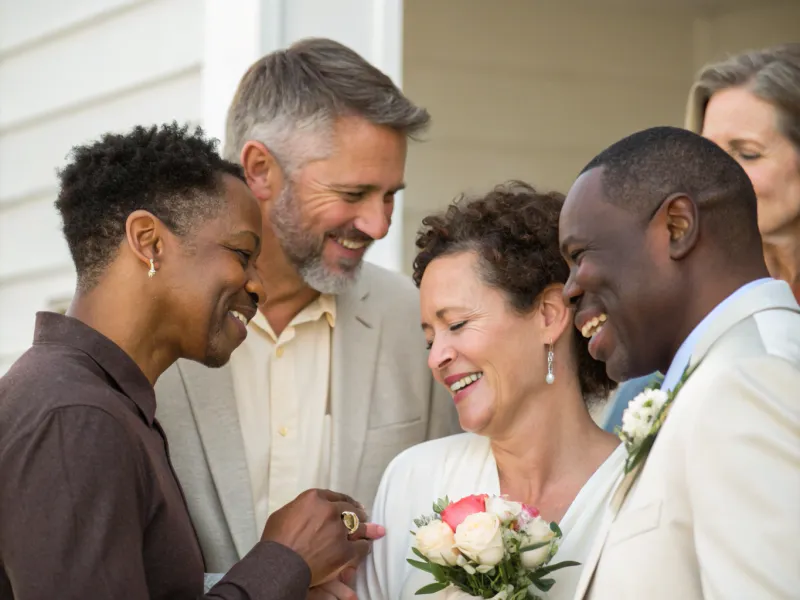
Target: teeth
(465,381)
(351,244)
(239,316)
(593,327)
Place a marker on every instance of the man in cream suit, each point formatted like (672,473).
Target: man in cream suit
(661,233)
(331,382)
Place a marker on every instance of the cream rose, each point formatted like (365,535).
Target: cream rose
(435,540)
(455,593)
(505,510)
(480,538)
(536,531)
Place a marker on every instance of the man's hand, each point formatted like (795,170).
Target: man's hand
(311,525)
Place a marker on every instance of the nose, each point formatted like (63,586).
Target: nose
(375,216)
(572,291)
(440,355)
(254,288)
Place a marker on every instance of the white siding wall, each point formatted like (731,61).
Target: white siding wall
(70,71)
(532,90)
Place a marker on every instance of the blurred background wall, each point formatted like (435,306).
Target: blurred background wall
(527,89)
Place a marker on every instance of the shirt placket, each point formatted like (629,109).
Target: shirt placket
(284,409)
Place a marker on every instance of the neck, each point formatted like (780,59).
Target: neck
(286,292)
(551,450)
(782,255)
(133,326)
(703,295)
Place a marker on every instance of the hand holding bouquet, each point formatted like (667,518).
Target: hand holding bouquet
(486,547)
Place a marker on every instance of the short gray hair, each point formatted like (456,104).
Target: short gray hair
(772,74)
(289,98)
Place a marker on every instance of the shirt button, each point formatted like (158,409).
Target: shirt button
(283,431)
(279,351)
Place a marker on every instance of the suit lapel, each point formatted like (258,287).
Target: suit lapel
(211,396)
(768,296)
(354,357)
(773,295)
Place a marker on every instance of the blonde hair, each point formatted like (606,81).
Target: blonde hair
(772,74)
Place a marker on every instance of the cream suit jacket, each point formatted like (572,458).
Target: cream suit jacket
(715,512)
(383,401)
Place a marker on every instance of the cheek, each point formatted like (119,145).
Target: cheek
(762,176)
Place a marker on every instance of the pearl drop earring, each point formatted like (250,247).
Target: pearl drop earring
(550,378)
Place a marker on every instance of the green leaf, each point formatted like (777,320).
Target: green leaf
(420,554)
(555,529)
(544,584)
(431,588)
(555,567)
(419,564)
(534,546)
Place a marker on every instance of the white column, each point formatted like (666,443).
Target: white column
(233,40)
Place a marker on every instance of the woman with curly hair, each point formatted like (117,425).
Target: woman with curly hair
(501,339)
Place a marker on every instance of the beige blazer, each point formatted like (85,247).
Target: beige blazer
(715,512)
(383,400)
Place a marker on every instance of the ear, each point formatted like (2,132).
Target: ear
(262,171)
(143,233)
(555,313)
(683,225)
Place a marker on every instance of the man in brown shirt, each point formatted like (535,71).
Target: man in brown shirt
(79,440)
(163,234)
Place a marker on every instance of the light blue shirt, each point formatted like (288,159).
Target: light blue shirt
(684,353)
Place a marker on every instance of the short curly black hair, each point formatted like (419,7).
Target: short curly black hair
(514,231)
(171,171)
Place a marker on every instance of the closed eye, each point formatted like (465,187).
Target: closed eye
(244,255)
(457,326)
(354,196)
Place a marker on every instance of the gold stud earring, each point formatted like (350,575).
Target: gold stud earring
(151,273)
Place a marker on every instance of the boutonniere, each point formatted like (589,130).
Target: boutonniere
(641,422)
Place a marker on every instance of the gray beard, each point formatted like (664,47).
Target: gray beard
(304,250)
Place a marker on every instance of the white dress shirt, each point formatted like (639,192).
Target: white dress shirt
(282,389)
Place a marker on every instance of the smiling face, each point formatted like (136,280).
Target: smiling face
(621,281)
(331,210)
(490,357)
(747,128)
(212,286)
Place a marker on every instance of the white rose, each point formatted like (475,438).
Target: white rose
(505,510)
(456,593)
(536,531)
(435,540)
(480,538)
(638,418)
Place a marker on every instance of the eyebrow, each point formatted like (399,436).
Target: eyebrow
(246,233)
(440,314)
(568,241)
(366,188)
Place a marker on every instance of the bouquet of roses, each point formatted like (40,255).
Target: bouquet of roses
(486,547)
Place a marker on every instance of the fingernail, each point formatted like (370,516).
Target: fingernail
(381,530)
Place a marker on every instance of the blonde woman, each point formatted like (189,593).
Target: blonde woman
(749,105)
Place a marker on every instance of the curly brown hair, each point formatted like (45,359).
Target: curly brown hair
(514,231)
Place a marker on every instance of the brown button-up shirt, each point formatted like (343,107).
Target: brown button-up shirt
(89,503)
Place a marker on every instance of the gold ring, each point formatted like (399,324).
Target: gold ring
(351,522)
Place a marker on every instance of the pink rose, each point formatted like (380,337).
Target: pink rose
(530,511)
(456,512)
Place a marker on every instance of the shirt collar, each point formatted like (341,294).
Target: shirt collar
(684,353)
(53,328)
(324,304)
